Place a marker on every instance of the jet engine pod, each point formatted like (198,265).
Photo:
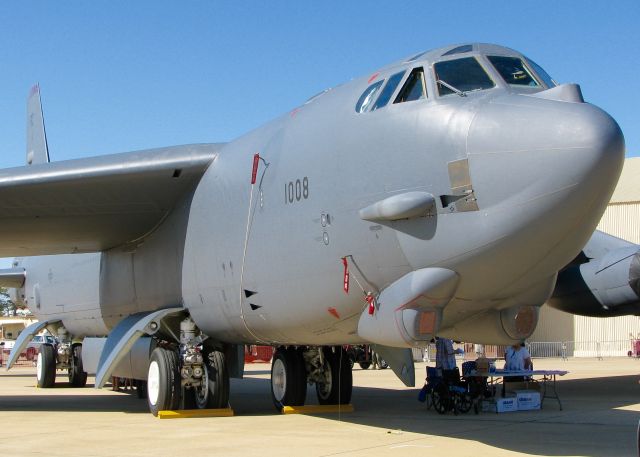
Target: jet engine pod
(602,287)
(409,311)
(519,322)
(506,326)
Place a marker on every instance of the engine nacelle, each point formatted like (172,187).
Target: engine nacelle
(606,285)
(506,326)
(409,311)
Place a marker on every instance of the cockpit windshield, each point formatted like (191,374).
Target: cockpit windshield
(460,76)
(513,71)
(543,75)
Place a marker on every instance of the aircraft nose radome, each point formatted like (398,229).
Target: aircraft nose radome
(543,172)
(534,147)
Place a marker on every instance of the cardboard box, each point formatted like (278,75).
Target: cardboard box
(528,400)
(507,404)
(513,387)
(482,365)
(488,406)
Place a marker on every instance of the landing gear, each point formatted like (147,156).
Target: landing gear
(288,378)
(329,368)
(46,366)
(337,384)
(187,375)
(77,375)
(213,392)
(163,381)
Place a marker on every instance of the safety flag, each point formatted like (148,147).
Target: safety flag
(345,284)
(254,172)
(371,300)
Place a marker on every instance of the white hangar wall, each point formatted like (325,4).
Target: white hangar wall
(593,336)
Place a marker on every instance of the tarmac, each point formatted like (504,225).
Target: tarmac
(600,398)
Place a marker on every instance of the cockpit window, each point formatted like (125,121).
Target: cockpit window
(367,96)
(388,90)
(414,88)
(460,76)
(458,50)
(548,80)
(513,71)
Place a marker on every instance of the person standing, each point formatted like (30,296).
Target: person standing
(445,354)
(517,358)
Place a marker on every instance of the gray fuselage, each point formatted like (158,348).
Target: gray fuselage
(263,262)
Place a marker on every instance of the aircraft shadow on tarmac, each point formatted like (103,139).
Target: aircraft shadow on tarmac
(590,424)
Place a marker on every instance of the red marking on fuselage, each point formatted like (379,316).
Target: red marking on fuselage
(345,281)
(334,312)
(373,76)
(294,112)
(254,172)
(371,301)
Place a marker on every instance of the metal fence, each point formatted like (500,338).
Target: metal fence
(559,349)
(26,359)
(599,349)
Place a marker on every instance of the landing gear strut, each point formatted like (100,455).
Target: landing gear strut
(191,375)
(329,368)
(337,383)
(64,355)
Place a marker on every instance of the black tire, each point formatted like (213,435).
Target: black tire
(364,365)
(288,378)
(352,359)
(332,392)
(441,399)
(46,366)
(217,380)
(383,364)
(463,402)
(77,375)
(163,383)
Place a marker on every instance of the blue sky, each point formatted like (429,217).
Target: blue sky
(120,75)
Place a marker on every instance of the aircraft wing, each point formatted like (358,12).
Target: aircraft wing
(95,203)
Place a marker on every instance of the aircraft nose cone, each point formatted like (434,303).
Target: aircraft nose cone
(542,172)
(525,148)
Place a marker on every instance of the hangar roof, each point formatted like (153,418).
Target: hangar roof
(628,188)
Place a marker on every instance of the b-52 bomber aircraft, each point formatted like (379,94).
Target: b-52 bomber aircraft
(440,195)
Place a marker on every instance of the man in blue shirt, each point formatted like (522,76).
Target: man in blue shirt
(445,354)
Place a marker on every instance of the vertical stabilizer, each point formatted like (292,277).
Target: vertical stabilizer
(37,149)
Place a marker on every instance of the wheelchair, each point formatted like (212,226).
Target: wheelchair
(447,391)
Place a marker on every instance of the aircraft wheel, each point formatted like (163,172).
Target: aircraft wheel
(288,378)
(46,366)
(338,379)
(215,390)
(77,375)
(364,365)
(163,381)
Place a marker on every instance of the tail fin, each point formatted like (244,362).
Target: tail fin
(37,149)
